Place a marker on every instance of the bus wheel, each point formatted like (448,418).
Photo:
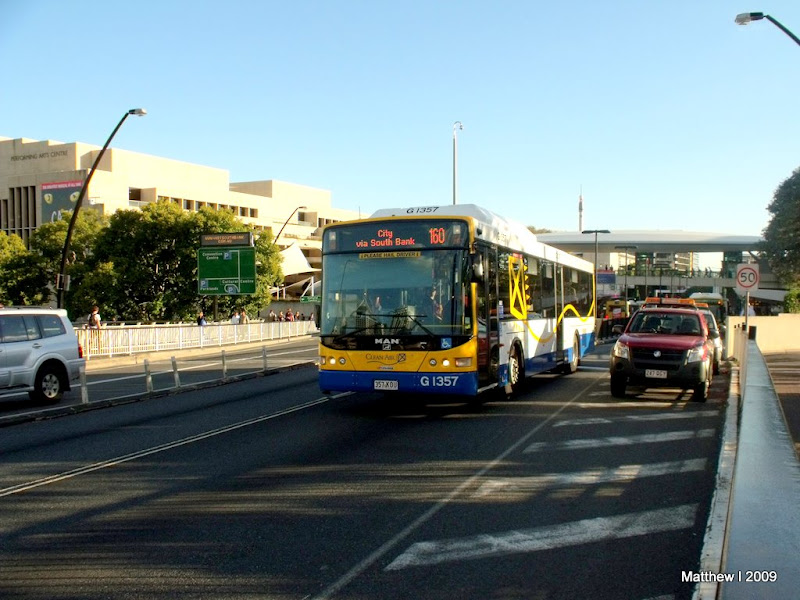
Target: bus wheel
(516,369)
(572,366)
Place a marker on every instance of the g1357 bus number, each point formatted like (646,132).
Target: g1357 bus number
(422,210)
(438,381)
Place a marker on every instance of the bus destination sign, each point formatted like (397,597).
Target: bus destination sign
(396,235)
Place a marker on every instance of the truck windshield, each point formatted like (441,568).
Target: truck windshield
(413,293)
(669,323)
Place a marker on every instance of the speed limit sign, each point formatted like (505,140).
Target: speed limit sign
(747,277)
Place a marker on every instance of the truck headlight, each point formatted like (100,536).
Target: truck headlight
(696,354)
(621,351)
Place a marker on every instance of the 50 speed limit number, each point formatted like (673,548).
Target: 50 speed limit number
(747,277)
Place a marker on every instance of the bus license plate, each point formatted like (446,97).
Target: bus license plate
(385,384)
(655,374)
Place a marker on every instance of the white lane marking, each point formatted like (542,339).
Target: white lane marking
(622,473)
(29,485)
(604,442)
(550,537)
(367,562)
(653,417)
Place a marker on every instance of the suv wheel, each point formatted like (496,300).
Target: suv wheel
(49,385)
(618,385)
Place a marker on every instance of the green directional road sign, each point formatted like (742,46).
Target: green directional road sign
(223,271)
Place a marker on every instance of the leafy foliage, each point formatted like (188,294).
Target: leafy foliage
(135,265)
(791,303)
(145,265)
(781,244)
(12,256)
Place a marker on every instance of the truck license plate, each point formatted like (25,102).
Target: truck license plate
(385,384)
(655,374)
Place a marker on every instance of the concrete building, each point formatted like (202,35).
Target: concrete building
(40,179)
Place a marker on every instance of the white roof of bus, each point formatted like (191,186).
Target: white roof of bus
(490,227)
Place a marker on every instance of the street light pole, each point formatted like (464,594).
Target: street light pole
(745,18)
(286,222)
(61,283)
(456,126)
(595,232)
(627,249)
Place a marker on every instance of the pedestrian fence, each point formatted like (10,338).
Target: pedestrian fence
(121,340)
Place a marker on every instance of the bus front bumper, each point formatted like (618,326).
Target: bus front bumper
(456,384)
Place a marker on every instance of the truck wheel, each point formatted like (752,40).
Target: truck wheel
(618,385)
(700,393)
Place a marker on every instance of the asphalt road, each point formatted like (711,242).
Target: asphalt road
(264,488)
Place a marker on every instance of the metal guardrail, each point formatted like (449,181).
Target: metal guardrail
(121,340)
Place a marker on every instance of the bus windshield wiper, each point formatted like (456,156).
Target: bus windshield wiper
(413,319)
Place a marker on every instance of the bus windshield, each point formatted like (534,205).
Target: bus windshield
(410,293)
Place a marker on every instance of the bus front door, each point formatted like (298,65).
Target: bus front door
(485,307)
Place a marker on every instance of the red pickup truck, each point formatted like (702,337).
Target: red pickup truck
(664,346)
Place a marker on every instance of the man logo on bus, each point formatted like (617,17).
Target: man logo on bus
(386,343)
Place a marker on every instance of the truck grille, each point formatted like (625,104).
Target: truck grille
(669,360)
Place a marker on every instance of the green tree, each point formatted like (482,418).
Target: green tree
(47,242)
(781,244)
(144,265)
(12,251)
(791,303)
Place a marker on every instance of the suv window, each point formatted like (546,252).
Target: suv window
(18,328)
(51,325)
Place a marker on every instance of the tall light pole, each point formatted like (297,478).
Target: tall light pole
(745,18)
(456,126)
(627,249)
(595,232)
(61,280)
(286,222)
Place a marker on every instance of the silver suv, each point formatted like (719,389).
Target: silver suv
(39,352)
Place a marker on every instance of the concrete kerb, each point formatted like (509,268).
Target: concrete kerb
(712,555)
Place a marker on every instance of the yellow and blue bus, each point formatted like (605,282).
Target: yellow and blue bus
(448,300)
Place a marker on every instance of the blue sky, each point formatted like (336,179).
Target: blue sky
(664,112)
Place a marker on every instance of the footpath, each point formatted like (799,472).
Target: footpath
(784,369)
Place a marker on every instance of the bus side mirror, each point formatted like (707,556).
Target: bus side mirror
(477,267)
